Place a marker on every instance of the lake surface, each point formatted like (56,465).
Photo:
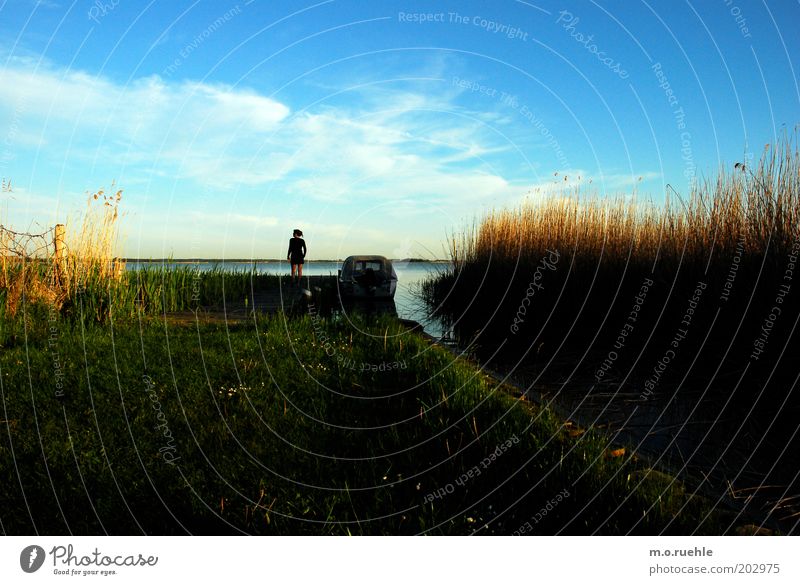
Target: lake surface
(409,274)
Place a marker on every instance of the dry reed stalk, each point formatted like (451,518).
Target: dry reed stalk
(758,208)
(37,276)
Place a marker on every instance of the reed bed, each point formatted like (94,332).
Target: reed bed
(162,288)
(760,208)
(54,267)
(745,217)
(697,297)
(88,261)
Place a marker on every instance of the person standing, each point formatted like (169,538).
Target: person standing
(296,255)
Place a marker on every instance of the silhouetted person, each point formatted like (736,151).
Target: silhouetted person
(296,255)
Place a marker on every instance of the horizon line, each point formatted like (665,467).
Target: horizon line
(250,260)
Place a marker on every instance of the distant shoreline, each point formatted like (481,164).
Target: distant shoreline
(254,261)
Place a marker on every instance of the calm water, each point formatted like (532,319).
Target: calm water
(409,275)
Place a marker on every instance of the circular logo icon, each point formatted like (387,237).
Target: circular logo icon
(31,558)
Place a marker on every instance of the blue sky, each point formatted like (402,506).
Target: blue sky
(376,127)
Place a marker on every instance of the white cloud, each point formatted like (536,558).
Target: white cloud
(228,137)
(192,130)
(410,154)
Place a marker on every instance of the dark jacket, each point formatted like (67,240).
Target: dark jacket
(297,249)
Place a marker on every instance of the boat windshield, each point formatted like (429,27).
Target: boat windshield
(364,265)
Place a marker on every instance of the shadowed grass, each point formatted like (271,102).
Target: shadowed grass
(271,431)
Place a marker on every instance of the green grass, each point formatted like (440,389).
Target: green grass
(277,433)
(148,290)
(153,290)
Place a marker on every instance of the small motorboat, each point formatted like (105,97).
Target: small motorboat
(367,277)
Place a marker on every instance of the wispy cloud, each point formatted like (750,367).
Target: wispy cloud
(230,137)
(192,130)
(406,153)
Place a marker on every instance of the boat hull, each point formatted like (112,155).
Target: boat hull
(356,291)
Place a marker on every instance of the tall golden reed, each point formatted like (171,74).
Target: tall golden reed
(90,258)
(32,271)
(758,208)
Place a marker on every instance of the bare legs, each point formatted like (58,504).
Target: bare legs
(297,269)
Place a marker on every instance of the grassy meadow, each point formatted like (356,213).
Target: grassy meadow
(265,428)
(117,419)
